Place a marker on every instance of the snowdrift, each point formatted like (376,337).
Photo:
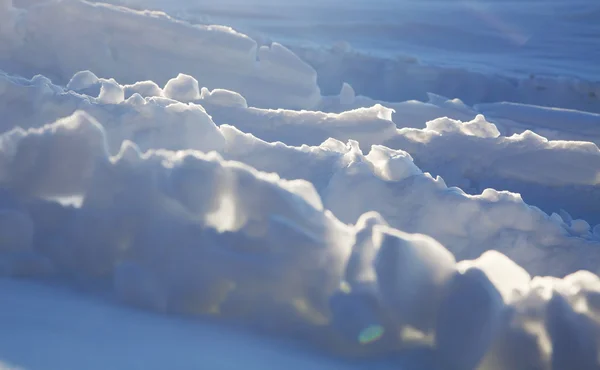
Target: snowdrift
(545,170)
(405,78)
(186,232)
(385,180)
(121,43)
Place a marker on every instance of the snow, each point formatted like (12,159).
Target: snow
(111,45)
(71,332)
(163,184)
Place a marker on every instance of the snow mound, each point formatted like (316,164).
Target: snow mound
(217,56)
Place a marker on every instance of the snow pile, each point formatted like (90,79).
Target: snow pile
(41,39)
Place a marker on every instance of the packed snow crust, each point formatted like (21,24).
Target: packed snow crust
(175,188)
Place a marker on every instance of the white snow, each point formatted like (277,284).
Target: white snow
(111,43)
(75,331)
(163,170)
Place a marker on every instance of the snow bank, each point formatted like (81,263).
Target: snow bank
(405,78)
(155,122)
(156,114)
(552,175)
(470,154)
(385,180)
(162,226)
(553,123)
(110,42)
(152,201)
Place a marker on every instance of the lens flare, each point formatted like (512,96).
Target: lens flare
(371,334)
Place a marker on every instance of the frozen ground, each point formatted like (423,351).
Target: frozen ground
(189,196)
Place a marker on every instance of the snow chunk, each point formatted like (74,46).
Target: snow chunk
(54,160)
(224,98)
(392,165)
(144,88)
(477,127)
(111,92)
(82,80)
(183,88)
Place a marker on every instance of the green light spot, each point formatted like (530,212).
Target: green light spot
(345,287)
(371,334)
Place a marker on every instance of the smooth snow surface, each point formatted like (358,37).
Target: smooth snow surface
(185,196)
(76,331)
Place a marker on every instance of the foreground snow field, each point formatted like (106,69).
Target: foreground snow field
(75,331)
(164,170)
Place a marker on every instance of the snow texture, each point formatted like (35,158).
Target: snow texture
(40,39)
(363,228)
